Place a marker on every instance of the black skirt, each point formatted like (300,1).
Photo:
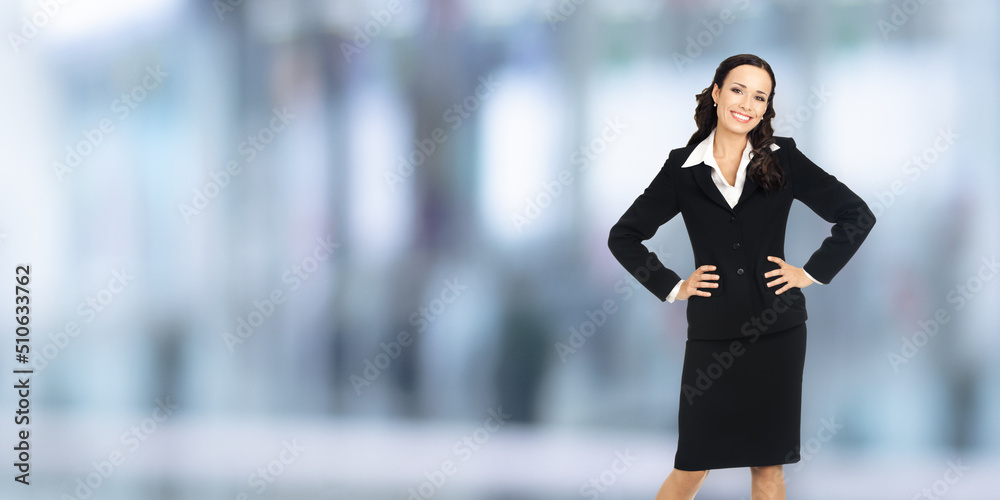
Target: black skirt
(741,401)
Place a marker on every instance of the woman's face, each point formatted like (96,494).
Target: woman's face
(742,100)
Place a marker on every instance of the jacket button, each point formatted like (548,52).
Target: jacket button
(736,246)
(733,220)
(739,271)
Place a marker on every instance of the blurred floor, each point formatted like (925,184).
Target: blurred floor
(317,459)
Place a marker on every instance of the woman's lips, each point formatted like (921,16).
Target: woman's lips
(740,118)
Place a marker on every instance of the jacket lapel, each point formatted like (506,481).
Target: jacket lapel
(749,186)
(703,177)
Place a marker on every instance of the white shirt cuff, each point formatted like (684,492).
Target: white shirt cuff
(673,293)
(810,277)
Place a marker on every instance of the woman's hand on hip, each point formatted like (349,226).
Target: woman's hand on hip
(791,276)
(697,280)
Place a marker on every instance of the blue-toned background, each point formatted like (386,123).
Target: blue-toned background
(357,249)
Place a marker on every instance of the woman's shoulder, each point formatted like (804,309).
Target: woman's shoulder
(679,156)
(785,148)
(784,142)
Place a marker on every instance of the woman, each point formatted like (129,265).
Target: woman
(734,183)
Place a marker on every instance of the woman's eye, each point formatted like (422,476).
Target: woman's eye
(740,91)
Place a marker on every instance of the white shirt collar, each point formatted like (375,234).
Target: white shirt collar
(703,152)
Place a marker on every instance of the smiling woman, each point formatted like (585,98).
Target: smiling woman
(742,109)
(734,184)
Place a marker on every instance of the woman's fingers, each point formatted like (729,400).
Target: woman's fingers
(788,275)
(781,266)
(692,286)
(785,275)
(704,269)
(700,280)
(696,291)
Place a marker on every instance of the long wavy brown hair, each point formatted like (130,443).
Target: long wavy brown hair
(763,168)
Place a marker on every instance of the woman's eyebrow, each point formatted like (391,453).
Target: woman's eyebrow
(744,86)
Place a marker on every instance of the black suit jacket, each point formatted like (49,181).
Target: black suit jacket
(738,240)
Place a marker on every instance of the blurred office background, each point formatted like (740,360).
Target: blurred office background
(357,249)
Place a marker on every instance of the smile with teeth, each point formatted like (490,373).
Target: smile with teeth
(740,118)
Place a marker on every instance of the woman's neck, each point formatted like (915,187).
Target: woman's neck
(728,144)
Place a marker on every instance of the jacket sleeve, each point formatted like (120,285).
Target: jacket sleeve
(654,207)
(834,202)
